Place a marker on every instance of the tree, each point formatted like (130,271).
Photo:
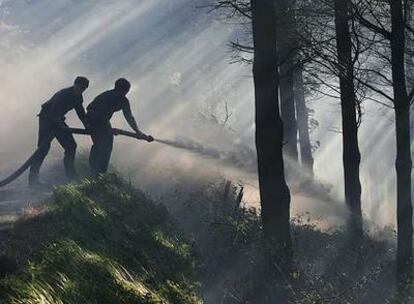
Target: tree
(388,19)
(293,111)
(302,113)
(403,163)
(351,156)
(286,55)
(274,192)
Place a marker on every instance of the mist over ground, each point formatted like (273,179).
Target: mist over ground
(177,58)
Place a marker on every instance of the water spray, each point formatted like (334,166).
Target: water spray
(243,158)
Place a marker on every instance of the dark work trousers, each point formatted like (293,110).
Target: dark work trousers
(48,130)
(103,140)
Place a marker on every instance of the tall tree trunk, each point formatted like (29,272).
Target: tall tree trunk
(409,63)
(351,155)
(303,123)
(286,68)
(274,192)
(410,86)
(403,163)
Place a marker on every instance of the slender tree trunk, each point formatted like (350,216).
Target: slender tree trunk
(410,86)
(303,124)
(286,67)
(409,63)
(274,192)
(402,120)
(351,154)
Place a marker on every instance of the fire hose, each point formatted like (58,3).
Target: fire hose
(27,164)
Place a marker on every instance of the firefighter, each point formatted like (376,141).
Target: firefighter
(52,125)
(99,114)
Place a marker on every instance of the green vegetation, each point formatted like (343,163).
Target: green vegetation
(329,266)
(100,241)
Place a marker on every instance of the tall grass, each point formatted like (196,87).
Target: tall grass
(100,241)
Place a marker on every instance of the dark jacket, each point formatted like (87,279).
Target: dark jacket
(61,103)
(101,109)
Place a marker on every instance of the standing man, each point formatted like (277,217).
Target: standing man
(52,124)
(100,112)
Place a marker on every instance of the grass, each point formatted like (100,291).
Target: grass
(329,266)
(100,241)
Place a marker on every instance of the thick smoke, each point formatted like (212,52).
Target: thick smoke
(177,58)
(242,158)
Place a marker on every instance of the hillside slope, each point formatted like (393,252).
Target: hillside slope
(100,241)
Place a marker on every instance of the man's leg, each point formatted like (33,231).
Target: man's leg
(68,143)
(100,154)
(94,154)
(45,137)
(107,145)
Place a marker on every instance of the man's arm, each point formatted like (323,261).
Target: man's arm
(131,120)
(80,111)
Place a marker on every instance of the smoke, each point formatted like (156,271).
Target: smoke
(177,59)
(242,158)
(164,58)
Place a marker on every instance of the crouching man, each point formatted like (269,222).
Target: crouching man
(52,125)
(99,114)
